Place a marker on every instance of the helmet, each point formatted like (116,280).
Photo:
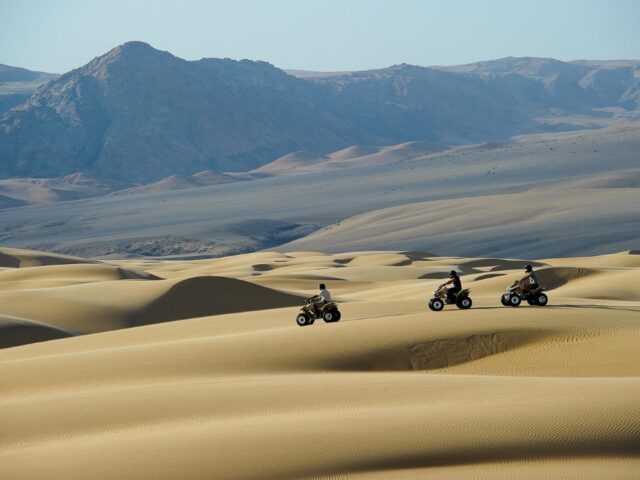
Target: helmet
(322,286)
(528,268)
(453,273)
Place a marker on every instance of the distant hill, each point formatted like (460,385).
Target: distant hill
(139,115)
(17,85)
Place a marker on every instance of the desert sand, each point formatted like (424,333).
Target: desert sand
(522,198)
(217,381)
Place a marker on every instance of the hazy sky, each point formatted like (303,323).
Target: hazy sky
(58,35)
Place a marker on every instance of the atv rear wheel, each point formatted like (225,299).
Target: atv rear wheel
(542,300)
(303,319)
(436,304)
(464,303)
(331,316)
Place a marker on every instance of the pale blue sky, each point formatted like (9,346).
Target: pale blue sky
(58,35)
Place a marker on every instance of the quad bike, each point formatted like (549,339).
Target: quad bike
(439,299)
(328,312)
(515,293)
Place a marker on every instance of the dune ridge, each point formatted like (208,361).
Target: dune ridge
(304,161)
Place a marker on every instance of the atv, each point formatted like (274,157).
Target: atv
(515,293)
(308,314)
(439,299)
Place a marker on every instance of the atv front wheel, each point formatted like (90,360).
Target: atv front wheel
(303,319)
(514,301)
(504,300)
(436,304)
(464,303)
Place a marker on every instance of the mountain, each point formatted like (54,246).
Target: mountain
(479,102)
(17,85)
(139,115)
(581,84)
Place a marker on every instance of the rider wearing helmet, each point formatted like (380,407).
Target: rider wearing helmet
(530,280)
(457,286)
(321,299)
(324,293)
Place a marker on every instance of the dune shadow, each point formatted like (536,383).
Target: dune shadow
(596,306)
(487,276)
(16,335)
(499,451)
(498,264)
(555,277)
(263,267)
(435,353)
(416,256)
(343,261)
(209,295)
(8,261)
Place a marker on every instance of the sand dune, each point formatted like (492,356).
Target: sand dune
(16,192)
(391,391)
(180,182)
(357,155)
(15,257)
(109,298)
(354,151)
(202,296)
(52,296)
(626,179)
(16,331)
(66,274)
(36,191)
(516,224)
(384,155)
(292,161)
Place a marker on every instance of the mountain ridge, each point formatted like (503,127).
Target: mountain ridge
(17,84)
(138,115)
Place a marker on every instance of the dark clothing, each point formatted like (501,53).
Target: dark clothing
(457,286)
(531,282)
(451,294)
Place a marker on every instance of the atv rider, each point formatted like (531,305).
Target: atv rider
(530,281)
(457,286)
(317,301)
